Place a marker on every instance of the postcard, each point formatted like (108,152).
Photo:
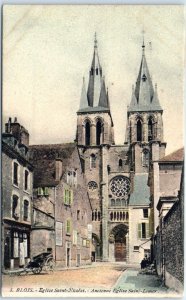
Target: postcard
(92,151)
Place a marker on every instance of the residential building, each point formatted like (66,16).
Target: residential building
(61,207)
(17,181)
(167,205)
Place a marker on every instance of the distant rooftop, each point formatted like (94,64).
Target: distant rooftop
(177,155)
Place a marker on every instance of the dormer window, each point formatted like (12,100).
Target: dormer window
(144,78)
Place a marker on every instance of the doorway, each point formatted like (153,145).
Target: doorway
(7,253)
(120,247)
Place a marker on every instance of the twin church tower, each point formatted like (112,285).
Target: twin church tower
(117,175)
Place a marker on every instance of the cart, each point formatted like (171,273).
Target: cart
(42,262)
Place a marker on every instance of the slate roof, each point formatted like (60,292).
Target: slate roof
(177,155)
(141,193)
(96,98)
(43,158)
(144,97)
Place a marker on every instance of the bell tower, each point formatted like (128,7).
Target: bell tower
(94,120)
(95,135)
(144,132)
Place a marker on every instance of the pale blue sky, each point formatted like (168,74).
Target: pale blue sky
(48,49)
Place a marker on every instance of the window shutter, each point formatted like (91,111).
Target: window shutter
(147,230)
(68,226)
(71,196)
(40,191)
(64,195)
(46,191)
(139,230)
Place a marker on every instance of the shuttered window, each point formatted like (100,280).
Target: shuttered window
(68,197)
(143,230)
(68,226)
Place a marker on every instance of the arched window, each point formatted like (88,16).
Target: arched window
(139,131)
(120,163)
(87,133)
(112,202)
(118,202)
(145,158)
(98,133)
(150,129)
(92,161)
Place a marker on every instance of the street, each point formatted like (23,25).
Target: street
(100,278)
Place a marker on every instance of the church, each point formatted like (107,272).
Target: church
(117,175)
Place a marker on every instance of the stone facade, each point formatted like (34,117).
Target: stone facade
(168,240)
(17,182)
(117,175)
(62,211)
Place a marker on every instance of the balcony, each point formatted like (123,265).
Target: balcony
(118,215)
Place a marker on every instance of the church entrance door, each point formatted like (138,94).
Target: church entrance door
(120,247)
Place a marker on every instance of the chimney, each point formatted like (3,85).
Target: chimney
(8,126)
(58,169)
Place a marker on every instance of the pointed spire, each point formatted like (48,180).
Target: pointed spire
(143,44)
(95,78)
(95,41)
(144,98)
(83,100)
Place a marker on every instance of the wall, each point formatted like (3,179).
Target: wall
(136,217)
(173,246)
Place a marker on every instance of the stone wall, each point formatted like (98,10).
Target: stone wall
(173,244)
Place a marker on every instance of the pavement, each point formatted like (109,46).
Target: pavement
(132,282)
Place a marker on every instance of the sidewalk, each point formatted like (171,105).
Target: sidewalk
(133,282)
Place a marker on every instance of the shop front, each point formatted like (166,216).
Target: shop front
(16,245)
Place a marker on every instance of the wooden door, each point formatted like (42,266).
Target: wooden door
(120,251)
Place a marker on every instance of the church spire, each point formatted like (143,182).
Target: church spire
(95,78)
(143,94)
(96,98)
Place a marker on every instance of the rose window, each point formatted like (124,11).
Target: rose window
(92,185)
(120,187)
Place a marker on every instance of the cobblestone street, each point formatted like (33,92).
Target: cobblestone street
(99,278)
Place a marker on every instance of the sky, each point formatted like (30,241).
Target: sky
(47,50)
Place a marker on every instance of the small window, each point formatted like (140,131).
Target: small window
(78,214)
(143,230)
(75,178)
(15,179)
(92,161)
(96,71)
(136,248)
(46,192)
(15,207)
(112,202)
(145,213)
(68,226)
(26,180)
(145,158)
(26,207)
(39,191)
(120,163)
